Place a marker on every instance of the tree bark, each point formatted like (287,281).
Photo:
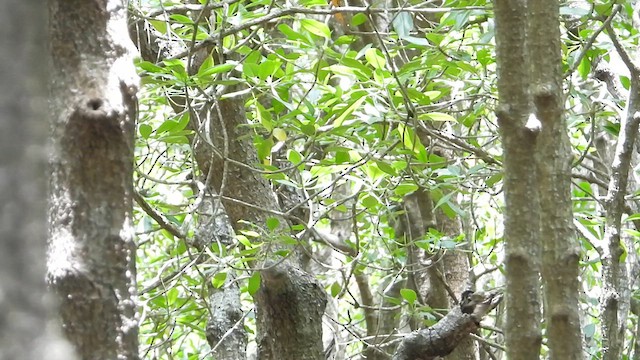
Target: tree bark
(614,272)
(225,330)
(27,330)
(519,132)
(91,259)
(561,252)
(290,303)
(442,338)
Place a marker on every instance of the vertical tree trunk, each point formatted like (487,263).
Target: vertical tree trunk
(225,329)
(613,267)
(25,332)
(519,132)
(91,262)
(290,302)
(561,253)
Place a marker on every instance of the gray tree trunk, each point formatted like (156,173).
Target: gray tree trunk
(225,329)
(91,259)
(26,331)
(614,303)
(290,302)
(560,262)
(519,134)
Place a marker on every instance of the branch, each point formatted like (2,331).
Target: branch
(179,9)
(442,338)
(592,39)
(461,144)
(159,218)
(298,10)
(624,54)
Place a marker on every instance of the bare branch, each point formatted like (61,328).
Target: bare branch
(634,68)
(592,39)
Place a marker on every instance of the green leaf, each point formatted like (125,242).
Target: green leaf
(308,129)
(493,179)
(264,116)
(244,241)
(386,168)
(403,24)
(181,19)
(280,134)
(254,283)
(291,34)
(145,130)
(181,248)
(443,200)
(219,279)
(589,330)
(263,147)
(409,295)
(335,289)
(216,69)
(417,41)
(159,25)
(173,126)
(250,233)
(268,68)
(625,81)
(172,295)
(149,67)
(316,27)
(360,98)
(175,139)
(273,223)
(437,116)
(342,157)
(294,156)
(584,68)
(359,19)
(375,58)
(405,188)
(412,142)
(370,202)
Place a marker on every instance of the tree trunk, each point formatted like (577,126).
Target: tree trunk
(290,302)
(519,132)
(225,329)
(91,262)
(26,331)
(613,267)
(561,252)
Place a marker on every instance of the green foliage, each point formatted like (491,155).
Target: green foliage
(412,112)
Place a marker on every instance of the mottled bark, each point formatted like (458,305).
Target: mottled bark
(440,339)
(456,275)
(225,329)
(286,329)
(26,328)
(519,132)
(448,271)
(91,259)
(561,251)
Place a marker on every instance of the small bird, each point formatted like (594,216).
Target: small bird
(479,303)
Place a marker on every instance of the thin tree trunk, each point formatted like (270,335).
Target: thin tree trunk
(519,133)
(91,260)
(290,302)
(614,309)
(561,255)
(225,329)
